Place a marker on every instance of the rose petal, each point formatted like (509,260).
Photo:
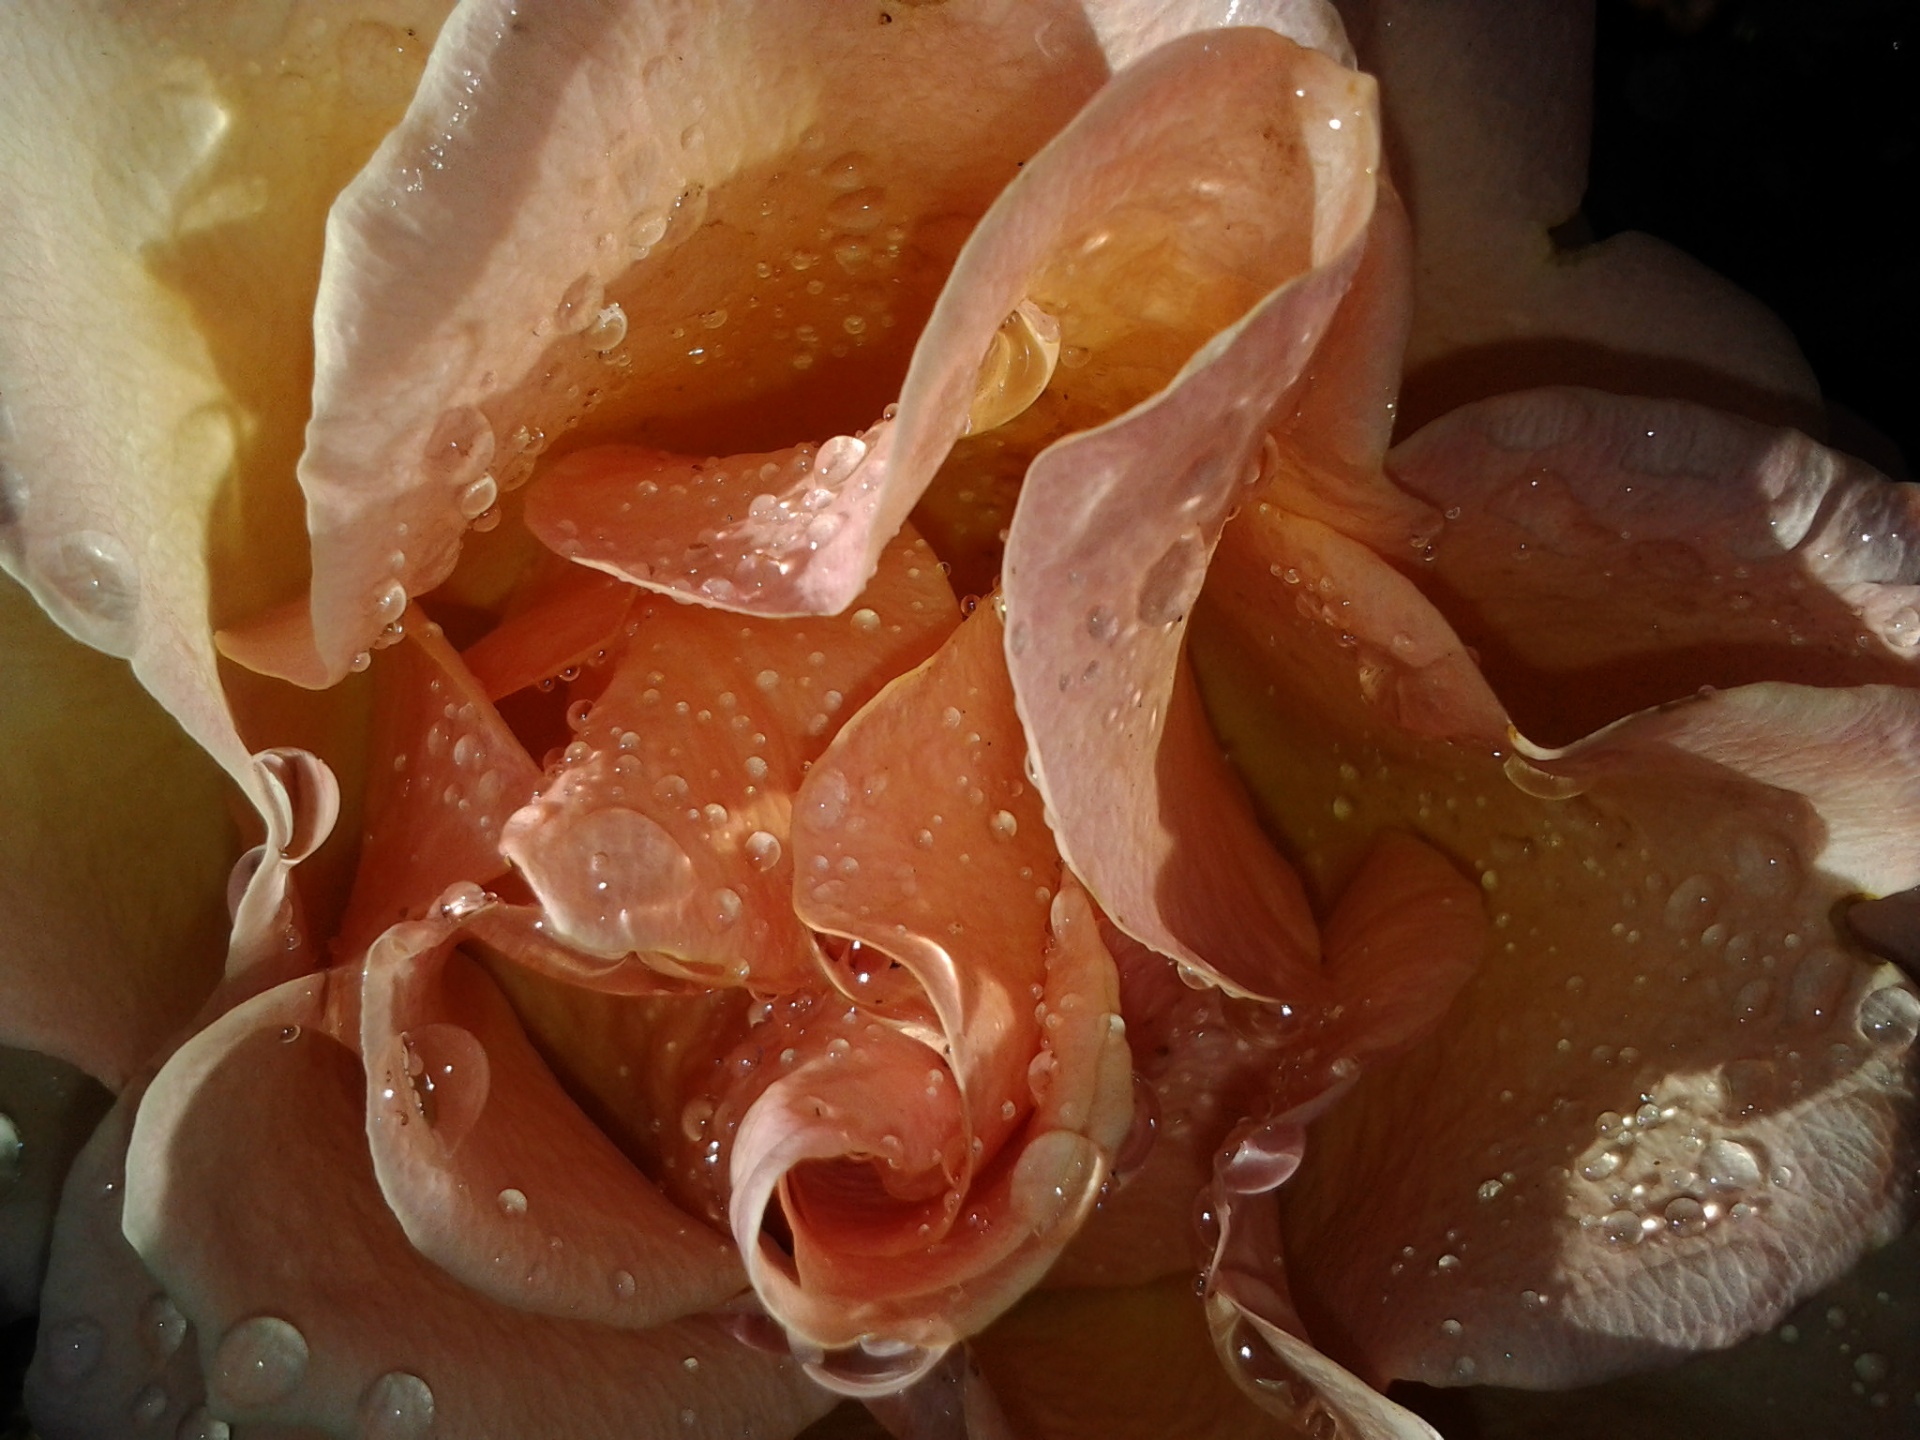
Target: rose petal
(668,836)
(1491,106)
(1604,554)
(1115,527)
(112,1352)
(445,775)
(578,201)
(1663,951)
(580,615)
(956,1270)
(917,836)
(494,1173)
(1129,29)
(113,859)
(47,1111)
(325,1337)
(168,185)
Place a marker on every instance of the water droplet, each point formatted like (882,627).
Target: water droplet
(579,306)
(1693,903)
(96,590)
(1601,1165)
(461,446)
(199,1424)
(857,212)
(1018,363)
(73,1349)
(1621,1227)
(397,1406)
(1003,825)
(1261,1157)
(448,1077)
(477,497)
(1452,1329)
(865,621)
(624,1285)
(1817,984)
(608,329)
(1871,1367)
(162,1326)
(1173,580)
(390,604)
(149,1405)
(1890,1016)
(726,908)
(763,848)
(1729,1165)
(513,1203)
(1685,1216)
(259,1361)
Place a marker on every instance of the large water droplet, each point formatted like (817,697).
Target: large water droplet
(1890,1016)
(449,1075)
(1261,1157)
(460,447)
(1173,580)
(95,589)
(199,1424)
(397,1406)
(162,1326)
(1729,1165)
(259,1361)
(1017,365)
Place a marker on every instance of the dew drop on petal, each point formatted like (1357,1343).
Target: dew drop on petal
(259,1361)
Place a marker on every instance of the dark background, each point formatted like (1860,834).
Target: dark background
(1777,141)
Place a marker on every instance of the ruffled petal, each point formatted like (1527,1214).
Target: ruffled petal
(169,173)
(1115,526)
(362,1329)
(1667,1104)
(113,859)
(445,775)
(493,1171)
(1490,108)
(665,831)
(635,194)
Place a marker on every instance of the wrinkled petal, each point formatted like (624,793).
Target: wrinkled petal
(665,832)
(574,203)
(1605,554)
(494,1173)
(169,170)
(1115,527)
(1845,1357)
(444,776)
(47,1110)
(1667,1104)
(113,858)
(114,1353)
(1490,106)
(328,1336)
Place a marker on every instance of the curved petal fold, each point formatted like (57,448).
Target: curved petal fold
(1115,526)
(364,1330)
(664,830)
(754,216)
(48,1108)
(492,1170)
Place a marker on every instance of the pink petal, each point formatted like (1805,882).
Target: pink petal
(322,1336)
(445,774)
(641,158)
(113,857)
(487,1163)
(1115,526)
(668,836)
(1662,951)
(1606,554)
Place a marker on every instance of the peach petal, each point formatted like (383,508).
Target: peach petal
(668,836)
(578,617)
(113,857)
(291,1335)
(1606,553)
(1491,106)
(1115,526)
(1018,1211)
(487,1163)
(445,775)
(566,203)
(917,836)
(1628,1010)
